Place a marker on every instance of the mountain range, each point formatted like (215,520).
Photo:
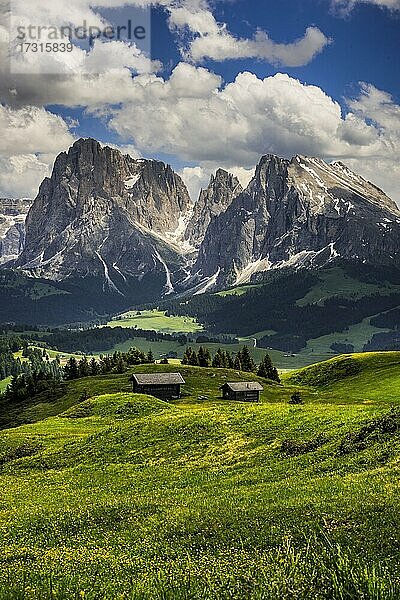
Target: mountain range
(12,227)
(130,226)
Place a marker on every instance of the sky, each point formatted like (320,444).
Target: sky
(207,84)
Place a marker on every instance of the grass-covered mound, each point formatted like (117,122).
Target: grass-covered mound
(346,366)
(126,496)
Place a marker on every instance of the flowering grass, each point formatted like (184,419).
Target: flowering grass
(126,496)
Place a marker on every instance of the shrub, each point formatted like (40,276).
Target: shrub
(370,433)
(296,398)
(298,447)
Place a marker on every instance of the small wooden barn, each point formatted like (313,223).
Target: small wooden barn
(165,386)
(242,391)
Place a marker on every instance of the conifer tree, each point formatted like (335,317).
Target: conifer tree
(190,357)
(246,360)
(71,369)
(237,364)
(267,369)
(120,365)
(83,367)
(150,357)
(204,357)
(217,361)
(229,360)
(94,367)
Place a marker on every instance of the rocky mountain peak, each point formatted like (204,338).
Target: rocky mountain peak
(111,216)
(299,212)
(106,214)
(214,200)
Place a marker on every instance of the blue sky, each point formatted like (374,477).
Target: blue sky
(365,46)
(324,80)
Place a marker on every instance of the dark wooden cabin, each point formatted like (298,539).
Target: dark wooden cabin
(242,391)
(165,386)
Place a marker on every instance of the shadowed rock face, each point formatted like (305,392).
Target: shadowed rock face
(130,221)
(300,212)
(214,200)
(12,227)
(105,214)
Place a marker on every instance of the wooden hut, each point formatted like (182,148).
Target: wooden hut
(242,391)
(165,386)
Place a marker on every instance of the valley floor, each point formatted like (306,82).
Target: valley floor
(126,496)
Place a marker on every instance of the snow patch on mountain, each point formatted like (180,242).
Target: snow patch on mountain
(132,181)
(177,238)
(208,284)
(168,285)
(255,266)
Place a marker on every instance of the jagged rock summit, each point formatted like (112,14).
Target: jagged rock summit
(299,212)
(131,223)
(213,201)
(105,214)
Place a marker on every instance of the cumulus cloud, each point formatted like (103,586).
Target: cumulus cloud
(124,148)
(32,130)
(212,40)
(216,125)
(192,114)
(197,19)
(236,122)
(31,139)
(103,75)
(195,179)
(244,175)
(21,175)
(223,45)
(39,20)
(378,107)
(198,178)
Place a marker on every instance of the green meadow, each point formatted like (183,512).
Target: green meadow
(125,496)
(336,282)
(156,320)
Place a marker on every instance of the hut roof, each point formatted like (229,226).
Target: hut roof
(245,386)
(158,378)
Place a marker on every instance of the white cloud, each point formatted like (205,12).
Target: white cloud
(200,21)
(103,76)
(346,6)
(244,175)
(21,175)
(213,40)
(223,46)
(215,125)
(383,169)
(42,18)
(32,130)
(192,114)
(125,149)
(31,139)
(198,178)
(195,179)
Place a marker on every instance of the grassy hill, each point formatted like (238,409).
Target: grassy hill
(125,496)
(336,282)
(367,377)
